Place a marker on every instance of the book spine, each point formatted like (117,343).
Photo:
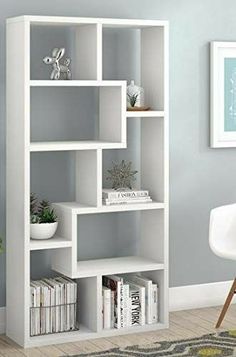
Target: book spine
(121,305)
(124,194)
(106,308)
(119,202)
(115,286)
(32,311)
(149,302)
(112,309)
(135,308)
(47,308)
(143,306)
(38,304)
(154,303)
(126,309)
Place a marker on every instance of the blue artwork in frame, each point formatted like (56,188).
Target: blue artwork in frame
(230,94)
(223,94)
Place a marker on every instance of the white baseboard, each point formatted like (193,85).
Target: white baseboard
(197,296)
(2,320)
(181,298)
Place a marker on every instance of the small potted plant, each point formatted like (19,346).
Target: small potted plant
(43,220)
(1,245)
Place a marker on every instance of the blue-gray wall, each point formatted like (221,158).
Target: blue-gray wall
(200,178)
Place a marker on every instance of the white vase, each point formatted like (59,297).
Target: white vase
(43,230)
(133,90)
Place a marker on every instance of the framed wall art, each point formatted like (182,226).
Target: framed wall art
(223,94)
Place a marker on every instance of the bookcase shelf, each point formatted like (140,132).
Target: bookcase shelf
(65,134)
(53,243)
(120,265)
(74,145)
(145,114)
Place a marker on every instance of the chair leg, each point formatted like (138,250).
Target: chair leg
(227,303)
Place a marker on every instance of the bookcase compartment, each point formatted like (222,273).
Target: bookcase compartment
(81,43)
(88,290)
(121,234)
(67,176)
(83,113)
(145,149)
(137,54)
(157,277)
(52,175)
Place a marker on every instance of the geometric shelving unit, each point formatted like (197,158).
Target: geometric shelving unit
(61,138)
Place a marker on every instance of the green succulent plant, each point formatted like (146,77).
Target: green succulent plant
(1,245)
(132,98)
(40,212)
(47,216)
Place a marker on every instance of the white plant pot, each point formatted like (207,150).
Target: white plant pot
(43,230)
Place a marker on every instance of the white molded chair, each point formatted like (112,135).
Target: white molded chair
(222,239)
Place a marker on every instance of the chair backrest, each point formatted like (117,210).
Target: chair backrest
(222,231)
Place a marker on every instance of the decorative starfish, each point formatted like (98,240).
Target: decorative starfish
(121,175)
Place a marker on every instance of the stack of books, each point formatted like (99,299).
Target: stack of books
(129,301)
(53,305)
(116,197)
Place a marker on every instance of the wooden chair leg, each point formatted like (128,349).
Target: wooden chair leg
(227,303)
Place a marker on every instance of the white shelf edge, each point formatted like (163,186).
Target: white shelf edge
(107,22)
(145,114)
(76,83)
(53,243)
(78,209)
(84,334)
(120,265)
(73,145)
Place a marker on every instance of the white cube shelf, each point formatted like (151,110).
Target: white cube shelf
(140,241)
(108,98)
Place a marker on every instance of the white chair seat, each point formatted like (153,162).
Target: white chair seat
(222,231)
(222,240)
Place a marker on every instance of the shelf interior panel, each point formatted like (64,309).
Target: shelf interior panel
(80,43)
(117,265)
(53,243)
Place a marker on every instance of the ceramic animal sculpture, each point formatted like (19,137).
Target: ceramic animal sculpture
(59,68)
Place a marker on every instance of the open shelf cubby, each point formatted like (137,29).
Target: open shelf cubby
(62,137)
(81,46)
(84,115)
(136,53)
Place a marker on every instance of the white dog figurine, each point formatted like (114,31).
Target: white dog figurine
(58,68)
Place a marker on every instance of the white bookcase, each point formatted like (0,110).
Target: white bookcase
(136,239)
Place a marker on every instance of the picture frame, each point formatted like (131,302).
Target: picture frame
(223,94)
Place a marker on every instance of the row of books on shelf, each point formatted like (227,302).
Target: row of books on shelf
(129,301)
(53,305)
(117,197)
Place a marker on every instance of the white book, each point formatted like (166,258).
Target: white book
(112,309)
(116,194)
(138,304)
(135,305)
(127,199)
(45,306)
(32,310)
(126,309)
(119,202)
(57,305)
(73,300)
(115,283)
(147,283)
(62,303)
(37,312)
(106,294)
(51,283)
(154,303)
(67,299)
